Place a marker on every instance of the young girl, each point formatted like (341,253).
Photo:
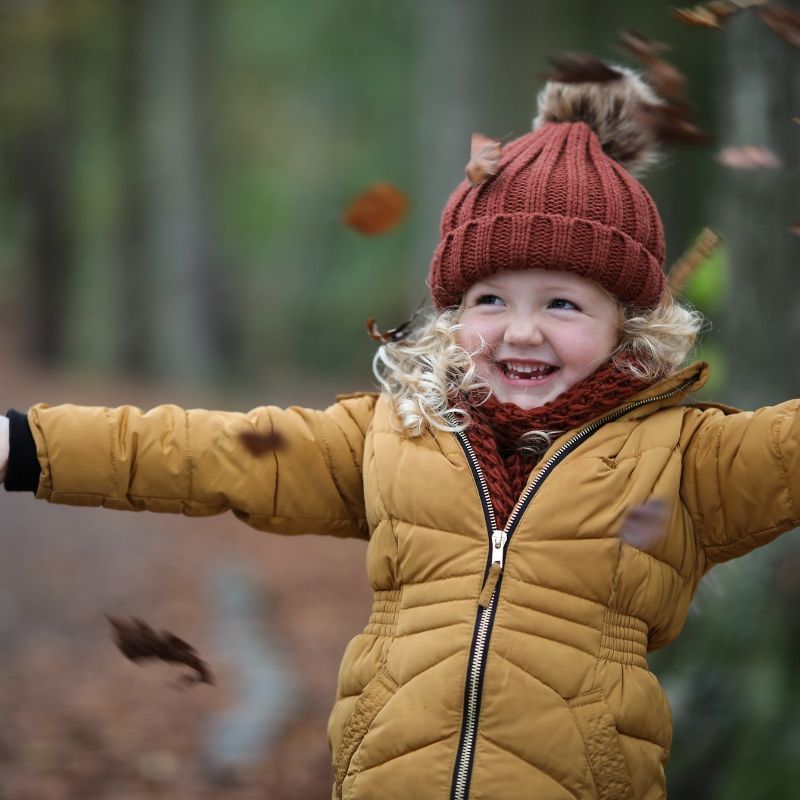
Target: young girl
(517,429)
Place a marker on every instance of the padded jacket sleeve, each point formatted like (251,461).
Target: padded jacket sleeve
(193,462)
(741,478)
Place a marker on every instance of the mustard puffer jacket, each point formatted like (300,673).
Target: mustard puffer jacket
(528,679)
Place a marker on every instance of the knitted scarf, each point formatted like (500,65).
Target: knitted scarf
(496,428)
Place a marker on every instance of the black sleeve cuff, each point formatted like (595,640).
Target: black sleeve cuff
(23,470)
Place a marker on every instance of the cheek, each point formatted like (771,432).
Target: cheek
(473,334)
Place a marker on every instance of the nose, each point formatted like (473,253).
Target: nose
(523,329)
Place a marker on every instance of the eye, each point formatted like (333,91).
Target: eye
(488,300)
(562,303)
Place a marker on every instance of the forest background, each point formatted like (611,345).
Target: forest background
(173,180)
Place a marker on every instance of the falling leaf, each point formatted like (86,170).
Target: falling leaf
(642,47)
(394,334)
(713,14)
(681,272)
(259,444)
(702,16)
(581,68)
(795,229)
(376,210)
(484,158)
(667,80)
(671,124)
(137,640)
(784,21)
(748,156)
(645,524)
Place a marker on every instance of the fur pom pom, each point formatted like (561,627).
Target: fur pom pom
(613,110)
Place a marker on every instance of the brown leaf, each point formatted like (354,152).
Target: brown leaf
(484,158)
(784,21)
(667,80)
(644,525)
(681,272)
(376,210)
(670,123)
(748,156)
(259,444)
(642,47)
(394,334)
(581,68)
(702,16)
(795,229)
(137,640)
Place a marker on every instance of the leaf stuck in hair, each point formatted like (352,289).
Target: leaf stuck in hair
(581,68)
(394,334)
(376,210)
(259,444)
(748,156)
(484,158)
(136,640)
(783,21)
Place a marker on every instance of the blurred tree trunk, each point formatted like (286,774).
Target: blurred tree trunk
(762,320)
(41,176)
(168,296)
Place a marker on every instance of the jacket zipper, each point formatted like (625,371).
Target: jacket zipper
(493,577)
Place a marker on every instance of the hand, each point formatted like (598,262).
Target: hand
(3,447)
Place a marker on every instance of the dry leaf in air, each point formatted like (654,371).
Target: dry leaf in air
(376,210)
(137,640)
(484,157)
(581,68)
(784,21)
(644,525)
(748,156)
(259,444)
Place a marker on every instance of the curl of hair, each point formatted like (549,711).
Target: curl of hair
(424,373)
(654,344)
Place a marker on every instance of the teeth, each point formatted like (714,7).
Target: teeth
(523,369)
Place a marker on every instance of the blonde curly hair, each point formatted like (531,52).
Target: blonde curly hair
(423,373)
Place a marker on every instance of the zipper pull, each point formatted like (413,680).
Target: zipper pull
(499,539)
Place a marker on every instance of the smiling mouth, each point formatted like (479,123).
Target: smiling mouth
(526,372)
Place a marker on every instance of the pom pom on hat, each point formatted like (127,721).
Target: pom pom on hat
(612,109)
(562,199)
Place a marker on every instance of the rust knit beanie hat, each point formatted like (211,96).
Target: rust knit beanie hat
(563,197)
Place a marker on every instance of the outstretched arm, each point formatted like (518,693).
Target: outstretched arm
(741,478)
(193,462)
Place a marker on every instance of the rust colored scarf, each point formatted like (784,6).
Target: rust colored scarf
(496,428)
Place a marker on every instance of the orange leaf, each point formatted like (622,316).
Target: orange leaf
(377,210)
(484,158)
(259,444)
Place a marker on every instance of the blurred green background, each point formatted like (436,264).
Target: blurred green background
(173,177)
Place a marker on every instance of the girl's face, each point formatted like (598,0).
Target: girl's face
(544,331)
